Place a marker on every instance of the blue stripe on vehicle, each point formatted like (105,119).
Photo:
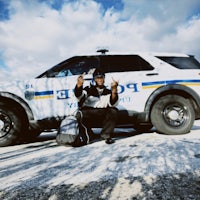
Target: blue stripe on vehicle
(153,83)
(160,83)
(44,95)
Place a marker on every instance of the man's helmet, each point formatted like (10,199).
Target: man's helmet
(98,74)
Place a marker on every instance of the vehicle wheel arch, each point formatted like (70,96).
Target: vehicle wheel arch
(181,90)
(13,100)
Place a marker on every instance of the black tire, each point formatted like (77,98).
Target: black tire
(10,126)
(173,115)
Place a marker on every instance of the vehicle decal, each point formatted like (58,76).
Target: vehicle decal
(44,95)
(185,82)
(156,84)
(64,94)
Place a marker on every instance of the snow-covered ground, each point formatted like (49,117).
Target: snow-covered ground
(44,164)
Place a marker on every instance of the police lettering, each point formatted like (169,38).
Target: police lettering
(132,86)
(65,94)
(62,94)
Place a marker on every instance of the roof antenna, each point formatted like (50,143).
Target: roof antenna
(102,51)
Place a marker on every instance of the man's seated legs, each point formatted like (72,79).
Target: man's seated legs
(101,117)
(109,122)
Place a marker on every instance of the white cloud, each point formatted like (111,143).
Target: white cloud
(37,37)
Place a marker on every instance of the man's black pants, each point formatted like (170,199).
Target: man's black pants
(100,117)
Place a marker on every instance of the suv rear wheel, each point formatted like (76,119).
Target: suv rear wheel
(172,115)
(10,126)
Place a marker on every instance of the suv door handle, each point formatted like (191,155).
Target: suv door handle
(152,74)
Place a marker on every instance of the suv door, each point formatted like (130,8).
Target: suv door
(130,71)
(53,89)
(66,80)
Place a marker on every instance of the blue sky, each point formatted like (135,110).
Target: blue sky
(37,34)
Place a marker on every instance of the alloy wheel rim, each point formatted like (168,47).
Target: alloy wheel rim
(5,124)
(175,115)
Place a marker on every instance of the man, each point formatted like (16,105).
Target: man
(98,103)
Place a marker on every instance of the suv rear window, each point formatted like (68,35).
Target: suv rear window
(122,63)
(182,62)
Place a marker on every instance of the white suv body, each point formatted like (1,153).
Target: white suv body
(155,89)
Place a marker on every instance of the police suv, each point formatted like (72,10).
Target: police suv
(160,90)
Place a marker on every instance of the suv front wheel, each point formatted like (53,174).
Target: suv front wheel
(173,115)
(10,125)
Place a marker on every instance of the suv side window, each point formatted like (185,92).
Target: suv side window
(72,66)
(84,65)
(122,63)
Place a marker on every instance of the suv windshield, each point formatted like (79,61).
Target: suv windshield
(181,62)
